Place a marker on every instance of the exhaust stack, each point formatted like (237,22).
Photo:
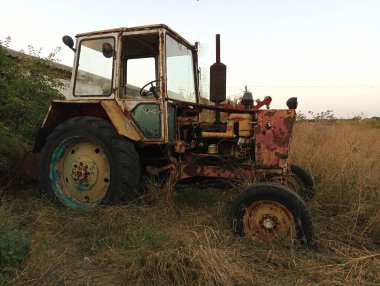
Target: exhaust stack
(218,77)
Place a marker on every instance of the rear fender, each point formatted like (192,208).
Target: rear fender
(60,111)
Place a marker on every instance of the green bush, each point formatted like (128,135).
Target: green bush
(12,148)
(27,87)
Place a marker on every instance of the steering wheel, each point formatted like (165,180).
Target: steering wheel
(152,89)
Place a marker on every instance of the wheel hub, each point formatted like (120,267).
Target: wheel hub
(80,173)
(268,220)
(83,172)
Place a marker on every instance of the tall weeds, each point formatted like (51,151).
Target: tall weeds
(144,244)
(345,162)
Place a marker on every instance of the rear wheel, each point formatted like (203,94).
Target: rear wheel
(270,211)
(86,163)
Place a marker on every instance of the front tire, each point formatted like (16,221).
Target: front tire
(270,211)
(86,163)
(302,183)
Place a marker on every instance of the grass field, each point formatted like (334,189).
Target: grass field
(146,243)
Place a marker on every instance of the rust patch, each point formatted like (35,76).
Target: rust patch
(156,171)
(179,146)
(188,170)
(272,133)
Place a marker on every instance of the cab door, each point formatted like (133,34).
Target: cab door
(141,83)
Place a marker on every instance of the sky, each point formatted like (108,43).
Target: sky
(325,52)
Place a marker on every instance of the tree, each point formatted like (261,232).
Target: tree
(327,115)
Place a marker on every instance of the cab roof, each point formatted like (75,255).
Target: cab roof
(134,29)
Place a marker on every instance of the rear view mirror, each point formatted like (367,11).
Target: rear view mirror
(107,50)
(68,41)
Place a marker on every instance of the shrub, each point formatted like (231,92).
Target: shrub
(12,149)
(27,86)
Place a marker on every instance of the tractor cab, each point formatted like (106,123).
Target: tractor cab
(145,69)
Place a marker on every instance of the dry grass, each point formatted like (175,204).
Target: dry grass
(345,162)
(145,244)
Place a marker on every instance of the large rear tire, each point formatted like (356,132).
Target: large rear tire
(270,211)
(86,163)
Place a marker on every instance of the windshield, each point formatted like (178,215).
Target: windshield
(94,70)
(179,71)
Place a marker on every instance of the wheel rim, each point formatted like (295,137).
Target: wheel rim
(268,220)
(80,173)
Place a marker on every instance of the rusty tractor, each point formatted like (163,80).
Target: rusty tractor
(134,108)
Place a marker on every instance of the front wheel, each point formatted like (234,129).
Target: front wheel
(86,163)
(301,182)
(270,211)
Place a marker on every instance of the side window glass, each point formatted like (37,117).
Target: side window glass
(94,71)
